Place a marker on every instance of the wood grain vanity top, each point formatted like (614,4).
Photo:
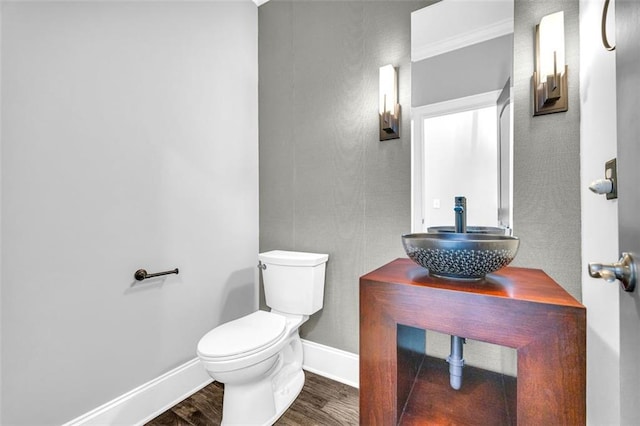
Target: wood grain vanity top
(523,284)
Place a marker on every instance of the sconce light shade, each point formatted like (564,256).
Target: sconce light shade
(389,109)
(550,91)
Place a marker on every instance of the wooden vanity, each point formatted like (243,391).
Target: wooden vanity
(514,307)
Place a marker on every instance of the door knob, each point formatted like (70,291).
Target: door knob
(624,270)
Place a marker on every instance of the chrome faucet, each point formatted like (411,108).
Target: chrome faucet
(461,214)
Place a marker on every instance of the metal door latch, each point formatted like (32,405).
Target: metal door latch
(624,270)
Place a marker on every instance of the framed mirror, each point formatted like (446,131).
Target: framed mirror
(462,121)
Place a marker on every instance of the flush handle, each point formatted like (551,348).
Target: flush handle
(624,270)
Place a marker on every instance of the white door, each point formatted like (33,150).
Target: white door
(628,186)
(464,129)
(628,109)
(505,156)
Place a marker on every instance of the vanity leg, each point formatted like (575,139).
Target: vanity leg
(411,344)
(378,362)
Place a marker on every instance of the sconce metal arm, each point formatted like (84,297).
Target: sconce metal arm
(603,28)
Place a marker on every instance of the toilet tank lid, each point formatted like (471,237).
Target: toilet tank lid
(292,258)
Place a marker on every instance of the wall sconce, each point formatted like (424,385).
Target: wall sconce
(389,107)
(550,91)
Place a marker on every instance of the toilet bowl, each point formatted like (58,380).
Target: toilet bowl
(259,357)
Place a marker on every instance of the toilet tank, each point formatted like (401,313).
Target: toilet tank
(293,281)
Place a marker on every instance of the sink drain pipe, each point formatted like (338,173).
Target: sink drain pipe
(456,362)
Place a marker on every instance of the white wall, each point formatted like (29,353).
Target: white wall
(449,38)
(0,217)
(454,24)
(445,77)
(469,139)
(599,216)
(129,141)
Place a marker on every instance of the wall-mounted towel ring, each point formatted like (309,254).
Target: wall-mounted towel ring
(605,41)
(141,274)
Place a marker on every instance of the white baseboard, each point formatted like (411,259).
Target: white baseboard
(145,402)
(149,400)
(334,364)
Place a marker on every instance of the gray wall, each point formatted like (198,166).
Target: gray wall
(546,205)
(479,68)
(129,141)
(327,184)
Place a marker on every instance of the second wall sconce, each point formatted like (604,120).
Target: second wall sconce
(389,108)
(550,91)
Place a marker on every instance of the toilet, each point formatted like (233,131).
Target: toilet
(258,357)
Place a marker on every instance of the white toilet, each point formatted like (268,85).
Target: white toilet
(259,357)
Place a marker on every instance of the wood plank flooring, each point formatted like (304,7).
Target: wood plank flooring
(321,402)
(485,398)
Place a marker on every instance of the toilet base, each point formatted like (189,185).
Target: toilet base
(259,387)
(261,403)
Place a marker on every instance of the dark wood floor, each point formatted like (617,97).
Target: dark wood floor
(321,402)
(485,398)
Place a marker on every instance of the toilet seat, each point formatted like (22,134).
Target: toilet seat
(242,337)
